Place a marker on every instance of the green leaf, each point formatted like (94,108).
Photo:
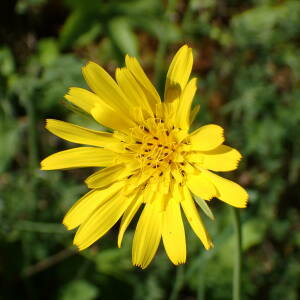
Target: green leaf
(89,36)
(78,23)
(203,205)
(48,51)
(280,23)
(7,64)
(10,139)
(161,29)
(123,36)
(79,290)
(114,260)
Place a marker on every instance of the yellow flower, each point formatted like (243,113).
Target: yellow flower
(150,160)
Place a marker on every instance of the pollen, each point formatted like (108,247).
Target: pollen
(154,145)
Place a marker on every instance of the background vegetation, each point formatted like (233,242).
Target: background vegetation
(247,57)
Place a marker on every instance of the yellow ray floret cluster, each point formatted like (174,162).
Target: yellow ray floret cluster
(151,160)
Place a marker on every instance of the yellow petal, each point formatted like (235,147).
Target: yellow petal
(107,176)
(82,98)
(127,217)
(79,158)
(101,220)
(109,119)
(228,191)
(173,233)
(222,158)
(102,112)
(207,138)
(135,68)
(105,87)
(170,112)
(147,235)
(133,90)
(178,73)
(149,194)
(80,135)
(185,103)
(201,186)
(83,208)
(194,219)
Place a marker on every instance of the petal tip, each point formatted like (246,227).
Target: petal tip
(180,262)
(78,245)
(51,122)
(66,224)
(87,66)
(139,265)
(244,201)
(46,122)
(128,57)
(44,166)
(71,91)
(184,47)
(209,245)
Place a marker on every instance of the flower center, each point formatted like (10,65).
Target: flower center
(155,150)
(155,154)
(153,144)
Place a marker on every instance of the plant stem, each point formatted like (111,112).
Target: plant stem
(32,144)
(236,284)
(163,43)
(201,286)
(30,226)
(161,51)
(48,262)
(187,18)
(32,151)
(179,281)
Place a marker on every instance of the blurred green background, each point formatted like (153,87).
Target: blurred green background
(247,56)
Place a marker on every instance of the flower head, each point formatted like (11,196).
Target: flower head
(151,160)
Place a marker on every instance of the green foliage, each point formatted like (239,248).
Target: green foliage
(267,25)
(79,290)
(122,35)
(247,57)
(10,135)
